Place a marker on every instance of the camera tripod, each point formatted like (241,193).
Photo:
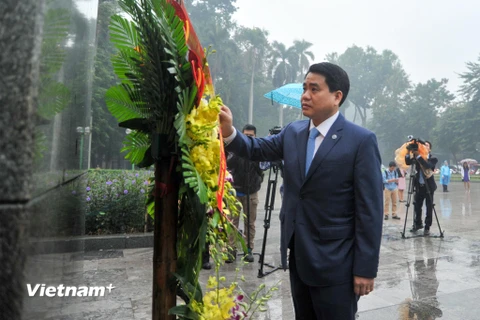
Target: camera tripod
(275,168)
(412,190)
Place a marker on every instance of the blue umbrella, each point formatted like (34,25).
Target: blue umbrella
(289,94)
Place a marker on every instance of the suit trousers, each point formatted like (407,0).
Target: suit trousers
(248,227)
(420,196)
(321,303)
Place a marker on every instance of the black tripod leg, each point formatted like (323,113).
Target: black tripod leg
(438,223)
(434,211)
(266,220)
(269,204)
(247,225)
(411,191)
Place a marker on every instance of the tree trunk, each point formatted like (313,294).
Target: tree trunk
(280,115)
(165,238)
(250,105)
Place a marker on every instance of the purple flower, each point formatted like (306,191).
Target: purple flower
(104,197)
(88,199)
(210,212)
(109,182)
(142,191)
(125,191)
(74,192)
(117,194)
(133,181)
(136,174)
(145,182)
(115,180)
(88,189)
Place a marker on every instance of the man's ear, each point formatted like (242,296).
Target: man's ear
(338,97)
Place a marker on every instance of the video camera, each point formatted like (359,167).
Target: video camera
(275,130)
(414,145)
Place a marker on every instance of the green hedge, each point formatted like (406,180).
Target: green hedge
(115,201)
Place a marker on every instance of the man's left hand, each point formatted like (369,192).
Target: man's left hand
(362,286)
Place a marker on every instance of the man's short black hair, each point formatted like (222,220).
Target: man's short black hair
(335,77)
(392,164)
(250,127)
(431,147)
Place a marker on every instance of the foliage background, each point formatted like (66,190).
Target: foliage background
(248,63)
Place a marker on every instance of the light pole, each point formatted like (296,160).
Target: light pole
(128,131)
(82,131)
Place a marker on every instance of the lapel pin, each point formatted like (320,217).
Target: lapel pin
(334,137)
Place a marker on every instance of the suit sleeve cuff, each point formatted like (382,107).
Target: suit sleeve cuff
(227,140)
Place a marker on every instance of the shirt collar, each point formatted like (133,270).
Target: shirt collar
(325,126)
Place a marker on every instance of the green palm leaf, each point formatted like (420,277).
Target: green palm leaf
(136,144)
(55,32)
(121,105)
(123,33)
(192,177)
(126,65)
(54,99)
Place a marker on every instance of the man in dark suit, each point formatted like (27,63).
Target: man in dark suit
(424,188)
(331,216)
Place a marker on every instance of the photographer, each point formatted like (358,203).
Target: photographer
(422,183)
(390,182)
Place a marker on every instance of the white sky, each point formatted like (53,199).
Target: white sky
(433,39)
(88,7)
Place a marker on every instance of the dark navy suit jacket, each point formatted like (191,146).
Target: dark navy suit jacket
(335,211)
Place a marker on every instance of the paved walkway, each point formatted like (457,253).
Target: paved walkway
(429,277)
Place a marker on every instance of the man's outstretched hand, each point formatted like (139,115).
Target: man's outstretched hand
(226,121)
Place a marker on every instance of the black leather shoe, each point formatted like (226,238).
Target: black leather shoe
(231,256)
(416,228)
(426,232)
(396,217)
(206,260)
(249,257)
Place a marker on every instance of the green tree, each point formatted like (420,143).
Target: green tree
(372,76)
(423,106)
(301,49)
(254,44)
(451,131)
(107,136)
(283,66)
(470,90)
(471,81)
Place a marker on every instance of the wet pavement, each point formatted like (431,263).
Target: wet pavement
(419,278)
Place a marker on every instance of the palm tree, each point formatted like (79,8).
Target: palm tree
(283,68)
(283,65)
(221,62)
(254,44)
(301,49)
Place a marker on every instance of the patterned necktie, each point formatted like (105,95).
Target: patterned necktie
(311,148)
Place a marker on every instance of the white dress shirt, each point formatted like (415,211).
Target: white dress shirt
(323,128)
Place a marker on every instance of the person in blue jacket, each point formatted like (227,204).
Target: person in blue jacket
(445,176)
